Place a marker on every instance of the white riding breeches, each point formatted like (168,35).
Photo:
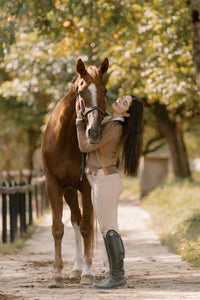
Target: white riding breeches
(105,192)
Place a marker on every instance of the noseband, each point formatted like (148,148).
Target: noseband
(84,114)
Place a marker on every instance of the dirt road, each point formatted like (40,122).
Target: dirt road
(152,272)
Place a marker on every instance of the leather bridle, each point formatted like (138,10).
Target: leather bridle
(88,110)
(84,114)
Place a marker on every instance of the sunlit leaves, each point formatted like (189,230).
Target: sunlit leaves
(148,44)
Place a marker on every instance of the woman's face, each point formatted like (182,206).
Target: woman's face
(121,105)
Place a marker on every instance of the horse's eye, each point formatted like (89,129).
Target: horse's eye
(105,92)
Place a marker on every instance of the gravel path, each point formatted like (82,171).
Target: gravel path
(152,271)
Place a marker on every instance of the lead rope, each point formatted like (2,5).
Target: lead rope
(83,165)
(84,155)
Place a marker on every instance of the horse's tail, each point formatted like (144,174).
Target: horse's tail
(95,233)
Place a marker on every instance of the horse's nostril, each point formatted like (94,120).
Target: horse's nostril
(89,132)
(94,133)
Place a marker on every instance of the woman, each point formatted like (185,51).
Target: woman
(124,127)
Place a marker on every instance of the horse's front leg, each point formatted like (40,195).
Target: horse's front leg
(71,198)
(55,198)
(87,231)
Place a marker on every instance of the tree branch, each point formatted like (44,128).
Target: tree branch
(148,148)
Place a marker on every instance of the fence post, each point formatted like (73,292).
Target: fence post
(46,197)
(30,203)
(16,210)
(36,201)
(22,205)
(4,217)
(42,200)
(30,207)
(17,202)
(11,212)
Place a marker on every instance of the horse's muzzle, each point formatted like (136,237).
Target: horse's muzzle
(94,135)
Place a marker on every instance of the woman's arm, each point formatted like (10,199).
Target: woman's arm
(109,135)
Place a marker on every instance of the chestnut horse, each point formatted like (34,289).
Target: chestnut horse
(62,161)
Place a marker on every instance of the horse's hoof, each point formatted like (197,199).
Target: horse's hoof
(87,279)
(75,275)
(106,273)
(56,282)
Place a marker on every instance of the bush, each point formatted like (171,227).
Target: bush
(175,209)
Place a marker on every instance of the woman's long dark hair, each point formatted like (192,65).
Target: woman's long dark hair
(132,137)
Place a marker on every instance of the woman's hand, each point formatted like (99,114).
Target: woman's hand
(78,109)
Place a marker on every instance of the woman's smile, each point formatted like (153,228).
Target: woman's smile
(121,105)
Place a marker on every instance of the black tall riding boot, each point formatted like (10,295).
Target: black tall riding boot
(116,253)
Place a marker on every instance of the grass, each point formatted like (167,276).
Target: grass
(175,209)
(10,248)
(130,187)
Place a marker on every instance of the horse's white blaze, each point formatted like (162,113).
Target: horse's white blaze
(93,91)
(79,256)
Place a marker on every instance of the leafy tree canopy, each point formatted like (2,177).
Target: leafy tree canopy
(148,44)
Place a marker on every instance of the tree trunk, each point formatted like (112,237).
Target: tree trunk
(31,147)
(178,151)
(196,38)
(173,132)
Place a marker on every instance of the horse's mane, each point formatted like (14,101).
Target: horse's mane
(93,71)
(74,78)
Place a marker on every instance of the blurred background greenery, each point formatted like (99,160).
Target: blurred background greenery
(153,52)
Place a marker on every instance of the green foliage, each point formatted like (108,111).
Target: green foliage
(190,251)
(175,209)
(130,187)
(9,11)
(148,44)
(31,84)
(9,248)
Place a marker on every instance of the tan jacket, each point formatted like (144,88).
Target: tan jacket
(104,154)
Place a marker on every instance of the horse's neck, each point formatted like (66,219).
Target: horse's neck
(68,113)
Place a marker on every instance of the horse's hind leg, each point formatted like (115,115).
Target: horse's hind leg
(71,198)
(55,198)
(87,231)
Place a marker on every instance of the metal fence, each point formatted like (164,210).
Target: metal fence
(22,200)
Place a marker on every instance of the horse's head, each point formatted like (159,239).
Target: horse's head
(91,91)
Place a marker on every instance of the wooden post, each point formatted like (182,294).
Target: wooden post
(4,217)
(11,213)
(22,212)
(30,203)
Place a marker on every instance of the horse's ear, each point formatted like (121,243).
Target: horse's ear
(80,67)
(104,66)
